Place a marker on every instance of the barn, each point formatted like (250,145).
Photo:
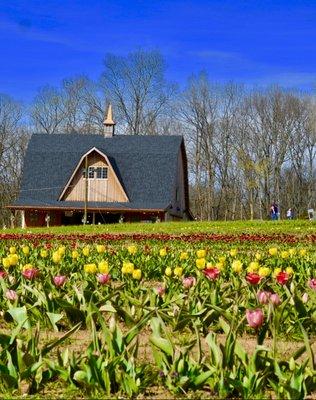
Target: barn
(73,179)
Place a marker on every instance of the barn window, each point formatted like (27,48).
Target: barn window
(102,172)
(96,173)
(91,172)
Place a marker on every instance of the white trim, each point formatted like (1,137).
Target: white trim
(78,165)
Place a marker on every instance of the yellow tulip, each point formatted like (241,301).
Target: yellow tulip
(162,252)
(137,274)
(253,266)
(303,252)
(184,256)
(14,259)
(258,256)
(127,267)
(44,253)
(56,257)
(6,262)
(168,271)
(103,267)
(132,249)
(100,248)
(200,263)
(201,253)
(264,271)
(292,252)
(26,250)
(12,250)
(90,268)
(289,270)
(61,250)
(233,252)
(284,254)
(178,271)
(222,259)
(86,251)
(74,254)
(237,266)
(220,266)
(273,251)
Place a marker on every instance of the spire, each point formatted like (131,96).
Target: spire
(108,123)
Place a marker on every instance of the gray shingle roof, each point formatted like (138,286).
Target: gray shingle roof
(145,165)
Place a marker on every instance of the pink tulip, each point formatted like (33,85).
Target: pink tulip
(161,290)
(11,295)
(275,299)
(255,318)
(59,280)
(263,297)
(103,278)
(30,273)
(188,282)
(211,273)
(312,283)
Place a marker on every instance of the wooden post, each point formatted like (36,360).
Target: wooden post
(86,192)
(23,224)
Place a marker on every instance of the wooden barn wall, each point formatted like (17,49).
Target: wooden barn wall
(106,190)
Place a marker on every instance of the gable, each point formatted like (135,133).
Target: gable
(100,185)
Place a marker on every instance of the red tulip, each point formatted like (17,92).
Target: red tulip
(211,273)
(312,283)
(103,278)
(188,282)
(30,273)
(253,278)
(59,280)
(255,318)
(282,277)
(3,274)
(263,297)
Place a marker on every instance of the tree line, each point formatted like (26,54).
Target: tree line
(247,148)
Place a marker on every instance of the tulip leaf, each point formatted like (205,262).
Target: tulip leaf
(107,308)
(19,314)
(46,349)
(54,318)
(162,344)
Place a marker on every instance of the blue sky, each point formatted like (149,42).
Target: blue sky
(254,42)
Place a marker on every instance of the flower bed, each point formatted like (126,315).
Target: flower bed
(180,292)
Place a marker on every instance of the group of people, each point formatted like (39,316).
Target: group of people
(275,214)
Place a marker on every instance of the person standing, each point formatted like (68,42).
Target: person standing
(289,214)
(274,212)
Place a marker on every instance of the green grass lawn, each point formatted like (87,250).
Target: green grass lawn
(298,227)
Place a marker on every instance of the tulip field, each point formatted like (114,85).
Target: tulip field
(158,315)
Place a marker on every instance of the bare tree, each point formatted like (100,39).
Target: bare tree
(47,111)
(76,106)
(138,89)
(13,142)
